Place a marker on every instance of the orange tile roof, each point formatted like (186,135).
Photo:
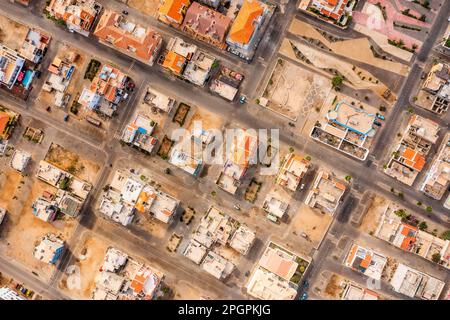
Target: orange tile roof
(144,46)
(174,9)
(352,253)
(366,262)
(242,28)
(174,62)
(143,198)
(4,119)
(407,241)
(409,154)
(419,162)
(138,283)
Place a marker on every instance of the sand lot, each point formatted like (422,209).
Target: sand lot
(333,288)
(187,291)
(149,7)
(293,98)
(373,215)
(72,163)
(13,40)
(89,258)
(346,48)
(207,119)
(22,230)
(311,222)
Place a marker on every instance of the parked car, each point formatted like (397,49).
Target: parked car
(66,118)
(242,99)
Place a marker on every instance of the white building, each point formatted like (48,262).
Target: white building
(242,239)
(7,293)
(20,160)
(114,260)
(414,283)
(217,266)
(49,249)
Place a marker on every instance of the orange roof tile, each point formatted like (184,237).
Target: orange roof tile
(4,119)
(174,62)
(242,28)
(174,9)
(366,262)
(409,154)
(419,162)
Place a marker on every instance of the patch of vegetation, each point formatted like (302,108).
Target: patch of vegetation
(92,69)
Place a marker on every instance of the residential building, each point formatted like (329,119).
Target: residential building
(61,71)
(226,83)
(45,209)
(206,24)
(123,278)
(11,64)
(242,240)
(355,292)
(127,194)
(248,28)
(275,208)
(292,171)
(217,266)
(188,156)
(366,261)
(348,129)
(413,283)
(241,155)
(156,99)
(198,69)
(214,227)
(7,293)
(438,176)
(115,209)
(115,30)
(114,260)
(409,157)
(337,11)
(49,249)
(326,193)
(78,15)
(195,251)
(20,160)
(107,90)
(277,274)
(172,11)
(437,84)
(35,45)
(407,237)
(139,133)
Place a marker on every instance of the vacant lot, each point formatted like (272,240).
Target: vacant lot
(12,33)
(292,98)
(88,260)
(148,7)
(187,291)
(373,215)
(208,120)
(72,163)
(333,288)
(311,222)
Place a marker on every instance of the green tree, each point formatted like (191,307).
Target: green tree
(446,235)
(337,81)
(423,225)
(436,257)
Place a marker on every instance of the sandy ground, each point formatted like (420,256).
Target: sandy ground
(22,230)
(65,159)
(208,120)
(152,226)
(373,215)
(187,291)
(333,289)
(311,222)
(149,7)
(13,40)
(292,98)
(89,258)
(356,78)
(228,253)
(347,48)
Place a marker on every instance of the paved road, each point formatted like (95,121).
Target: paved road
(22,275)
